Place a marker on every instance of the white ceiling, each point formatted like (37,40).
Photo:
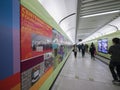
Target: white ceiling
(89,25)
(74,18)
(64,13)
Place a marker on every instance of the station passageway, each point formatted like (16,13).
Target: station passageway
(37,38)
(84,74)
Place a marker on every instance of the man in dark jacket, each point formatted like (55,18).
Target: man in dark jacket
(114,65)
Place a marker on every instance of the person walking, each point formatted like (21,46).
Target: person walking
(75,50)
(86,48)
(83,50)
(114,65)
(92,51)
(79,47)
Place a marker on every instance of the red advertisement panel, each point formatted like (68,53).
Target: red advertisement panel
(35,35)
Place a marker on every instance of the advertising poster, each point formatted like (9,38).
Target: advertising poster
(55,42)
(58,47)
(61,47)
(36,48)
(48,61)
(32,75)
(104,45)
(42,49)
(36,72)
(33,31)
(40,44)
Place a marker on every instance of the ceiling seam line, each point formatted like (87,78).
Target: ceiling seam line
(66,17)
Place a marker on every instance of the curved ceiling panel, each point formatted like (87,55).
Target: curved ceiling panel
(95,17)
(91,16)
(64,13)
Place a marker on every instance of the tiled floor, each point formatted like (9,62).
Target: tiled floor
(84,74)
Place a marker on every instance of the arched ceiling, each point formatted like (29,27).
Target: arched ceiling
(82,18)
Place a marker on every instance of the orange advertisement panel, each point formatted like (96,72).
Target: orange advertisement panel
(36,35)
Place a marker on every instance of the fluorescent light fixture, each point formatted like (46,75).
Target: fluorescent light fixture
(100,14)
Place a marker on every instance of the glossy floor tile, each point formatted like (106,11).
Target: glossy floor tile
(84,74)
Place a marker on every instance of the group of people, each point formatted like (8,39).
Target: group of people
(84,48)
(114,51)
